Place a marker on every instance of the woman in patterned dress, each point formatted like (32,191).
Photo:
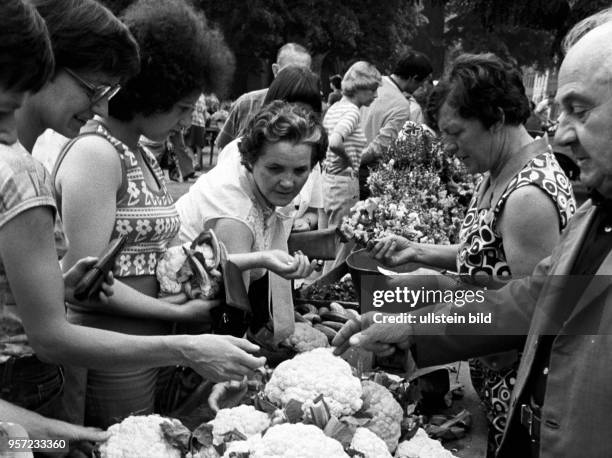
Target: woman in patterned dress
(518,210)
(108,185)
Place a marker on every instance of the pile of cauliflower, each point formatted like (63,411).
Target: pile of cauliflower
(362,416)
(192,268)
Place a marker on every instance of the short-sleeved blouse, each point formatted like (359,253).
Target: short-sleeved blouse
(24,184)
(481,250)
(147,216)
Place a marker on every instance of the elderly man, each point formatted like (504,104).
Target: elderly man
(562,400)
(249,103)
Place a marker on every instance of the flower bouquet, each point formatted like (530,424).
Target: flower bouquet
(419,193)
(420,217)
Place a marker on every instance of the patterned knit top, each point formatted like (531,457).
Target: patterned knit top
(147,216)
(482,248)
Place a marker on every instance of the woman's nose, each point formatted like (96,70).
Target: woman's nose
(287,182)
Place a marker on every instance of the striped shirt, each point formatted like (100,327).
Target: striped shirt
(343,118)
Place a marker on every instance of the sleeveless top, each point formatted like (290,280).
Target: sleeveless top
(24,184)
(147,216)
(481,248)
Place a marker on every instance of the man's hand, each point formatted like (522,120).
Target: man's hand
(380,338)
(74,275)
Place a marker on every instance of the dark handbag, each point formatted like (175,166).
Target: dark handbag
(233,316)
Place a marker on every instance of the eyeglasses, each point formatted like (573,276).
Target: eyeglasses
(96,93)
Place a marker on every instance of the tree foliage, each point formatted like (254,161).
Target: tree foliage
(521,30)
(348,29)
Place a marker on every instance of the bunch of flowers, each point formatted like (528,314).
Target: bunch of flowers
(425,214)
(419,192)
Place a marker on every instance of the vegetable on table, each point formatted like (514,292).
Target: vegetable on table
(297,441)
(306,338)
(244,419)
(192,268)
(139,436)
(369,444)
(314,373)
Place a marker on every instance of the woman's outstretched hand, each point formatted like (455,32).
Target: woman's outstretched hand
(289,266)
(392,250)
(219,358)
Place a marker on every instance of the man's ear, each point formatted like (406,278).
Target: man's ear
(275,69)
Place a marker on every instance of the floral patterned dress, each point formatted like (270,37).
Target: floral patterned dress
(481,252)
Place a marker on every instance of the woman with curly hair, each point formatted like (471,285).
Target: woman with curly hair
(181,57)
(245,203)
(294,84)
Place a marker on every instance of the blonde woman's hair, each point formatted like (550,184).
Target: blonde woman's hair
(360,75)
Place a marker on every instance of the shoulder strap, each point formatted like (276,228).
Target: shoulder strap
(58,198)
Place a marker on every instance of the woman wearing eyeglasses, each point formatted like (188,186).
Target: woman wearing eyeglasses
(181,57)
(92,56)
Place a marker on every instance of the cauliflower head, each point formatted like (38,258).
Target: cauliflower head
(310,374)
(246,446)
(386,413)
(297,441)
(138,436)
(368,443)
(306,338)
(243,418)
(421,446)
(168,268)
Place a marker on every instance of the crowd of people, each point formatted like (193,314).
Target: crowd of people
(288,162)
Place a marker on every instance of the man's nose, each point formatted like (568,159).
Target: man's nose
(565,133)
